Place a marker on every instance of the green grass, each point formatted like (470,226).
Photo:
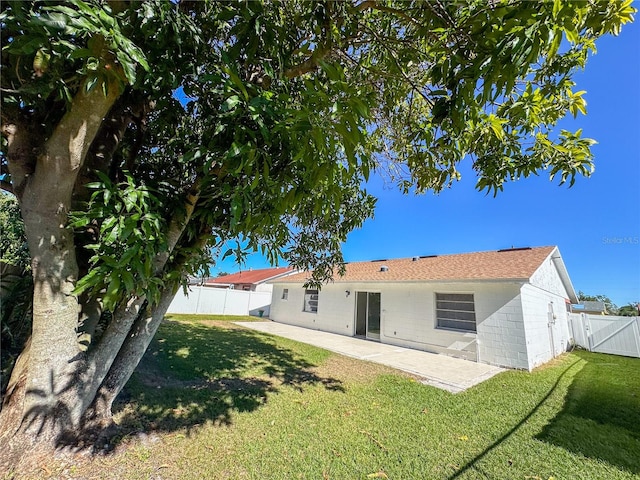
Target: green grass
(218,401)
(188,317)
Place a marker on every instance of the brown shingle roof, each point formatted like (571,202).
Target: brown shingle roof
(249,276)
(509,264)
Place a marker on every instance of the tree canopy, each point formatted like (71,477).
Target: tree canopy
(285,99)
(137,136)
(630,310)
(611,308)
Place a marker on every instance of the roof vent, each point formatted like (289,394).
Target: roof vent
(384,268)
(380,260)
(428,256)
(415,259)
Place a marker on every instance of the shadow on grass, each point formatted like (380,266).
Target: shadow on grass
(601,415)
(194,374)
(474,462)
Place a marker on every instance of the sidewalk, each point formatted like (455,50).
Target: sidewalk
(448,373)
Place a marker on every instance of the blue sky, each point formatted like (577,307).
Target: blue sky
(596,223)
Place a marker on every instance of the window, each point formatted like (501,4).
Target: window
(456,311)
(311,301)
(285,294)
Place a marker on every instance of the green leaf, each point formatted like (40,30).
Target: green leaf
(555,44)
(128,280)
(230,103)
(91,83)
(112,294)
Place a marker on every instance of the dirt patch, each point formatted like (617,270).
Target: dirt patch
(218,324)
(553,363)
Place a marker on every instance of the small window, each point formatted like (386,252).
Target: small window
(311,301)
(285,294)
(456,311)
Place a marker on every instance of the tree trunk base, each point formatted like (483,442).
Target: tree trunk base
(26,450)
(26,456)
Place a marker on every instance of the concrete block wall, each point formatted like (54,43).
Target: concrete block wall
(547,278)
(335,310)
(545,296)
(408,317)
(501,335)
(538,306)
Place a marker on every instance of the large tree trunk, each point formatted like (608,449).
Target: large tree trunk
(43,400)
(128,359)
(145,327)
(62,388)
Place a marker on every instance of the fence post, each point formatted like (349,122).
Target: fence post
(636,328)
(587,324)
(199,287)
(224,304)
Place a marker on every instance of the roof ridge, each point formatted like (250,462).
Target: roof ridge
(493,265)
(437,255)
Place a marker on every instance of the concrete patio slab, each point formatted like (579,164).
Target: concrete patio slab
(448,373)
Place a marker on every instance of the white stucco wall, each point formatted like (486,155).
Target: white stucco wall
(408,317)
(264,287)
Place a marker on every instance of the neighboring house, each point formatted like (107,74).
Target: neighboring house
(250,280)
(590,307)
(242,293)
(507,307)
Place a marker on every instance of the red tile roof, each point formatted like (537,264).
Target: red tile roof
(511,264)
(249,276)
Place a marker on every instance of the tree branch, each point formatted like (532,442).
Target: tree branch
(373,5)
(129,356)
(6,186)
(20,154)
(128,315)
(404,75)
(309,64)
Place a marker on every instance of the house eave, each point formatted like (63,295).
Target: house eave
(556,258)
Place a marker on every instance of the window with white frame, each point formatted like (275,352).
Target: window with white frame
(285,294)
(311,301)
(456,311)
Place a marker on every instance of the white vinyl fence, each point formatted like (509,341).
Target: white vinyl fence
(606,334)
(221,301)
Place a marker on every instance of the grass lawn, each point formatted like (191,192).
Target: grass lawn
(214,400)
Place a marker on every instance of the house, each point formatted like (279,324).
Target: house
(242,293)
(507,307)
(590,307)
(249,280)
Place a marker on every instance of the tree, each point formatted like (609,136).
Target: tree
(630,310)
(287,108)
(16,287)
(14,251)
(610,307)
